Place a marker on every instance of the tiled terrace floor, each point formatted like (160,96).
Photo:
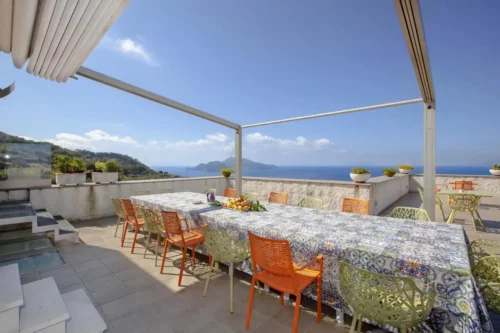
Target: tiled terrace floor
(132,295)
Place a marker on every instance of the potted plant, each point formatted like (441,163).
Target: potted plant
(69,170)
(226,172)
(390,172)
(405,169)
(360,175)
(106,172)
(495,170)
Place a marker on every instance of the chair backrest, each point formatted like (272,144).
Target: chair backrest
(278,198)
(271,255)
(464,202)
(410,213)
(142,193)
(153,223)
(356,206)
(117,205)
(223,248)
(385,299)
(230,192)
(421,193)
(466,185)
(481,248)
(208,190)
(129,211)
(172,224)
(165,190)
(311,203)
(252,196)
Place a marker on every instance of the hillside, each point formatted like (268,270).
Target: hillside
(230,162)
(131,167)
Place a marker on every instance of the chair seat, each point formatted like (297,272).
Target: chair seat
(140,221)
(285,283)
(190,239)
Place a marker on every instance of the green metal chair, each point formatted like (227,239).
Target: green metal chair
(487,274)
(208,190)
(439,202)
(384,299)
(142,192)
(311,203)
(154,225)
(165,190)
(410,213)
(481,248)
(465,203)
(225,250)
(251,196)
(117,205)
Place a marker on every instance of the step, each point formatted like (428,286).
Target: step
(11,298)
(44,309)
(65,230)
(44,222)
(84,317)
(14,213)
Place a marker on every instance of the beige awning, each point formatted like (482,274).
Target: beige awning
(56,36)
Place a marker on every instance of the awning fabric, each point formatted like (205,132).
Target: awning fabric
(56,36)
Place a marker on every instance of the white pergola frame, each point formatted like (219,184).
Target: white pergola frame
(411,23)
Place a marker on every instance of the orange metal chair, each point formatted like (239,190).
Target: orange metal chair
(356,206)
(132,219)
(466,185)
(230,192)
(183,239)
(273,266)
(278,198)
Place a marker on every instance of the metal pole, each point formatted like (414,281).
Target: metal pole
(336,113)
(239,157)
(430,159)
(127,87)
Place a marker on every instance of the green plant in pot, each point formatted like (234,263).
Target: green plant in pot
(70,170)
(226,172)
(360,175)
(405,169)
(495,170)
(107,172)
(390,172)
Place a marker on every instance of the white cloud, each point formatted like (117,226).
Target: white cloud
(130,47)
(321,143)
(89,140)
(299,142)
(217,141)
(26,137)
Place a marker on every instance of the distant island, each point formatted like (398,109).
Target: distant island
(215,166)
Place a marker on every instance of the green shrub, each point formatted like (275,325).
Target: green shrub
(3,174)
(495,167)
(389,172)
(112,166)
(66,164)
(100,166)
(405,167)
(226,172)
(359,171)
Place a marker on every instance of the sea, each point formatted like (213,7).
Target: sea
(321,172)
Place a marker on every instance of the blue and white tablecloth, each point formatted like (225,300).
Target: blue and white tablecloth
(435,254)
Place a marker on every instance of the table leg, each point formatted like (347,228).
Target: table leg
(266,288)
(286,296)
(339,315)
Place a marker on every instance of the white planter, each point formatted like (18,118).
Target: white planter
(70,178)
(404,171)
(360,178)
(495,172)
(104,177)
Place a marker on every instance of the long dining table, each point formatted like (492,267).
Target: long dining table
(433,254)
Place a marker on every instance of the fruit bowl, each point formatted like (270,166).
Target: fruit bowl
(242,204)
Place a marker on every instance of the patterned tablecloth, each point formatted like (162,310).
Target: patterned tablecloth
(435,254)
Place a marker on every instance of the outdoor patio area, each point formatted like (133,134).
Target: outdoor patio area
(132,296)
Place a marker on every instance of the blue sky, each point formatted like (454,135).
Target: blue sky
(253,61)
